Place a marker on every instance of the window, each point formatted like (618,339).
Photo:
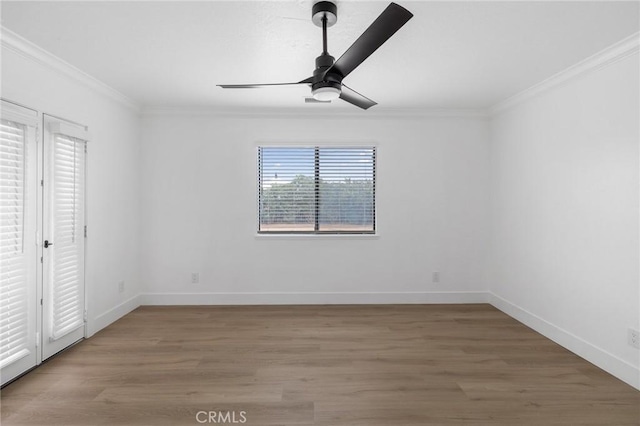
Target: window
(316,190)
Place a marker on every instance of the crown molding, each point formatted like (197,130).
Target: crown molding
(612,54)
(35,53)
(378,113)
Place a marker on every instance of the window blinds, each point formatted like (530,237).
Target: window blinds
(346,189)
(67,208)
(13,256)
(316,190)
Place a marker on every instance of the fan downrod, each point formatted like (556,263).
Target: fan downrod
(324,15)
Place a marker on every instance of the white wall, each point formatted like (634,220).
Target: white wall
(199,205)
(565,214)
(113,177)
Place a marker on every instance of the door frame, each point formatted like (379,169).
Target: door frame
(47,139)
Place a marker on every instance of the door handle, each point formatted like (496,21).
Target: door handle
(47,244)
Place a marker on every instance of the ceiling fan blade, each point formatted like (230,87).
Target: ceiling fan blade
(386,25)
(257,86)
(356,98)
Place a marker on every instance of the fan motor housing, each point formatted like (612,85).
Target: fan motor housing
(326,83)
(323,63)
(324,9)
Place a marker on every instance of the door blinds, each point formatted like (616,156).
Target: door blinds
(67,198)
(14,259)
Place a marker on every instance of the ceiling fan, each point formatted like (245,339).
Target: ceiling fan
(326,82)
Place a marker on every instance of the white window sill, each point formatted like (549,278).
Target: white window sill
(317,236)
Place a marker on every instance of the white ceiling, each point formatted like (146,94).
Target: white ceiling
(450,55)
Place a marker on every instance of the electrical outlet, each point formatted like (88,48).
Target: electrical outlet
(195,277)
(120,286)
(633,337)
(435,277)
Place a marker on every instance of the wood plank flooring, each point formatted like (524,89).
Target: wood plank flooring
(319,365)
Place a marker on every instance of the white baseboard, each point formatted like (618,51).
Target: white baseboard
(112,315)
(608,362)
(312,298)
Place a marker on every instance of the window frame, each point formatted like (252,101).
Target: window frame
(316,232)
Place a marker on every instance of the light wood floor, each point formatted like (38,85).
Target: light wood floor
(319,365)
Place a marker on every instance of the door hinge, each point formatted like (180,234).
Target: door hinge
(85,315)
(37,339)
(85,231)
(41,182)
(41,302)
(40,259)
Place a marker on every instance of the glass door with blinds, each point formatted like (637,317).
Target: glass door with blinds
(63,235)
(18,240)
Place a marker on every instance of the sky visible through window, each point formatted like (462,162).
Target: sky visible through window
(282,165)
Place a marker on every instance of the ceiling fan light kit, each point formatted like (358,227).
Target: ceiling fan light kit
(327,93)
(326,82)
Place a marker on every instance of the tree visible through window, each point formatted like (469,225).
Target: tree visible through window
(316,190)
